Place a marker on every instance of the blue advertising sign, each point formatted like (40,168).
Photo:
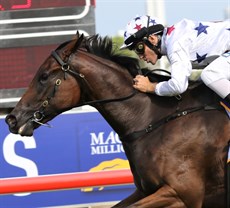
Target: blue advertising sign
(77,142)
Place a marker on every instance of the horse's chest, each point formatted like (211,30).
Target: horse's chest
(148,178)
(147,163)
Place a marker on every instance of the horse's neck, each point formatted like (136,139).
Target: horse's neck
(135,113)
(106,81)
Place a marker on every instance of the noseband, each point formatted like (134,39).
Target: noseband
(65,67)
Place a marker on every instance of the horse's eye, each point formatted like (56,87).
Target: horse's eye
(44,77)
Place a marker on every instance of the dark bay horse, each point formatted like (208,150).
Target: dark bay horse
(177,148)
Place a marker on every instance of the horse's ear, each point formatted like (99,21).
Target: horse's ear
(78,42)
(77,34)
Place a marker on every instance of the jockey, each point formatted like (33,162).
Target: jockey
(185,42)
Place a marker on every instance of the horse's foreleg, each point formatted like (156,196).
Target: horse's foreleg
(136,196)
(162,198)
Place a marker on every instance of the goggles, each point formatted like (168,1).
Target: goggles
(139,48)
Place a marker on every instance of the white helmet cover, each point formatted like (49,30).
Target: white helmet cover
(137,24)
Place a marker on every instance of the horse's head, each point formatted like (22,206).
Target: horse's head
(78,72)
(51,92)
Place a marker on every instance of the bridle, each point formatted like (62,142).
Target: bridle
(39,115)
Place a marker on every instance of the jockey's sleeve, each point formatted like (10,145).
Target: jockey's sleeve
(181,69)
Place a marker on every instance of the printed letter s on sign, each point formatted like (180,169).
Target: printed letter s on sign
(13,159)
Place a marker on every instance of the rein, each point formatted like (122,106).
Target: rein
(109,100)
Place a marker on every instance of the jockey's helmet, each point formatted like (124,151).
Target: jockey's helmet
(141,27)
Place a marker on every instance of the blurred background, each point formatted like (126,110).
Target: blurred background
(113,15)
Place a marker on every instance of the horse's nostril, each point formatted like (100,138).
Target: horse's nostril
(11,120)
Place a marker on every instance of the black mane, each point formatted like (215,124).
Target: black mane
(105,48)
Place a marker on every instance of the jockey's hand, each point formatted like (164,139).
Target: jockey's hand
(143,84)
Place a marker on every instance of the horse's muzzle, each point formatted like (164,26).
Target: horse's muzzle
(24,129)
(12,123)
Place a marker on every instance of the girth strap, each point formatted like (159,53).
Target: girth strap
(154,125)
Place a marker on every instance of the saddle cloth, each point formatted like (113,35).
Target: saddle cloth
(227,108)
(228,161)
